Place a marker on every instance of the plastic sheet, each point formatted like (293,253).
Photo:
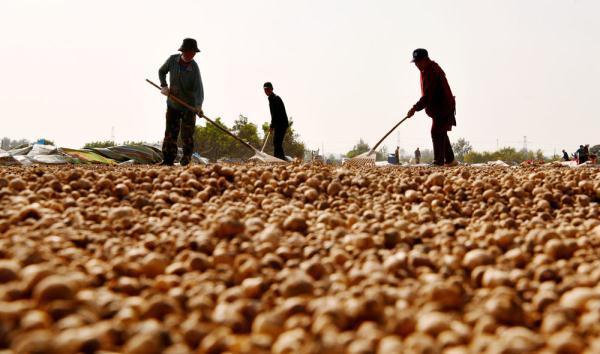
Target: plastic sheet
(199,159)
(498,163)
(23,160)
(110,154)
(87,156)
(20,151)
(38,149)
(7,159)
(128,154)
(51,159)
(141,154)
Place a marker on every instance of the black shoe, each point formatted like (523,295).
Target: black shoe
(166,163)
(184,161)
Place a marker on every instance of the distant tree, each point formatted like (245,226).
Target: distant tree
(461,147)
(382,154)
(426,156)
(507,154)
(331,158)
(539,155)
(8,144)
(99,144)
(131,142)
(359,148)
(248,132)
(595,150)
(212,143)
(474,157)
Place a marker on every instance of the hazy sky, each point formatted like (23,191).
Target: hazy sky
(74,69)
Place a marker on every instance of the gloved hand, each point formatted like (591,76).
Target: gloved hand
(164,90)
(199,109)
(411,112)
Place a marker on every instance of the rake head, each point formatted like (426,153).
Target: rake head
(366,159)
(262,157)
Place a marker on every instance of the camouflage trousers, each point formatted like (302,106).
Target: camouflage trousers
(176,121)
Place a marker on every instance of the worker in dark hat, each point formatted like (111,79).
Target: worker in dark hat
(439,104)
(279,120)
(185,83)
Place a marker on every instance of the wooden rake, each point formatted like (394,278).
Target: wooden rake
(367,159)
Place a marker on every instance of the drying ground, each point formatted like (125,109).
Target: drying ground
(299,259)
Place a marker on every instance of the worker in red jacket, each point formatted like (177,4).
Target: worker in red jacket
(439,104)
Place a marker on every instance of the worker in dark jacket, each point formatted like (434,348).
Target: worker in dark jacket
(583,153)
(279,120)
(439,104)
(418,156)
(186,84)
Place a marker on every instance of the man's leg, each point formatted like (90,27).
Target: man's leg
(188,125)
(169,147)
(448,153)
(437,137)
(278,136)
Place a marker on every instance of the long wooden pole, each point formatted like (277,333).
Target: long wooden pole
(181,102)
(265,143)
(386,135)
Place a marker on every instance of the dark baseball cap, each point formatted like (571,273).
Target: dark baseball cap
(268,85)
(419,54)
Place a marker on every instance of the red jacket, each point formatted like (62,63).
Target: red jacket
(437,98)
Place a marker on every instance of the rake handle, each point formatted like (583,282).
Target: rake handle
(181,102)
(386,135)
(265,143)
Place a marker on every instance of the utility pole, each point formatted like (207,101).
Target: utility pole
(525,143)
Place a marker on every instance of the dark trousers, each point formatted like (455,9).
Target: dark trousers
(176,121)
(278,136)
(442,149)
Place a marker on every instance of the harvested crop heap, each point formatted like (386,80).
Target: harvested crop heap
(299,259)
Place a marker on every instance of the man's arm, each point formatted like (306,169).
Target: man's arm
(429,84)
(162,73)
(282,113)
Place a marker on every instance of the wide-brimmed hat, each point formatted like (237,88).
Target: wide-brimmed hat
(189,44)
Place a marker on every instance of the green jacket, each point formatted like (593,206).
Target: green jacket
(184,82)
